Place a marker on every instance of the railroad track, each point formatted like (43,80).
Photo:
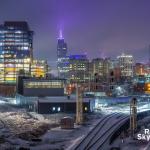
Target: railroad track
(93,134)
(98,143)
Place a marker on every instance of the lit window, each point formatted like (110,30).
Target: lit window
(58,109)
(53,108)
(85,108)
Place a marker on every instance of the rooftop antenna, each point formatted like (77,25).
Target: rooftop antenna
(60,34)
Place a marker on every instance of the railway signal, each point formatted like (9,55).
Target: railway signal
(133,116)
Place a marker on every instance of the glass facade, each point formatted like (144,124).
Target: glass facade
(101,67)
(61,48)
(39,68)
(15,50)
(78,68)
(63,67)
(126,65)
(44,84)
(62,59)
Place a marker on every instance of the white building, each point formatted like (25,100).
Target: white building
(125,63)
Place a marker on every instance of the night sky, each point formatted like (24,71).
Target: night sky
(100,28)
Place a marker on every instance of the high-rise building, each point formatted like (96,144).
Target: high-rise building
(125,63)
(78,68)
(62,59)
(140,69)
(16,51)
(61,46)
(100,67)
(39,68)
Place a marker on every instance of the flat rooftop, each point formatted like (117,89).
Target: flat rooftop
(60,99)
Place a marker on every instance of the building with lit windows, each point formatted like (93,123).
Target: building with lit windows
(63,67)
(78,68)
(47,96)
(53,105)
(39,68)
(16,50)
(140,69)
(62,59)
(100,67)
(28,86)
(147,87)
(125,63)
(147,68)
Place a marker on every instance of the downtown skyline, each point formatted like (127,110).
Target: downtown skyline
(99,28)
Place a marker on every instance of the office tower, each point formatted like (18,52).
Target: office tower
(62,58)
(78,68)
(63,67)
(16,51)
(125,63)
(61,46)
(39,68)
(100,67)
(140,69)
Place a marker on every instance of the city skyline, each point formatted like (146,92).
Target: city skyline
(100,29)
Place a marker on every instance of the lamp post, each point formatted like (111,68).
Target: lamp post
(133,116)
(79,104)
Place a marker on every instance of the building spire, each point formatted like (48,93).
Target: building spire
(60,34)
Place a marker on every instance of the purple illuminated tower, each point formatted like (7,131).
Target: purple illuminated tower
(62,59)
(61,46)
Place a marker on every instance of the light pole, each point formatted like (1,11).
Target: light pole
(133,116)
(79,104)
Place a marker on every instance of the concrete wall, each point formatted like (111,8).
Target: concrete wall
(43,92)
(65,107)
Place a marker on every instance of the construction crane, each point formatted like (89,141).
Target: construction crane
(133,116)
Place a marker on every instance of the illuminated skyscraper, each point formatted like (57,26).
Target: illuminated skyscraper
(61,46)
(140,69)
(62,59)
(16,51)
(39,68)
(78,68)
(100,67)
(126,65)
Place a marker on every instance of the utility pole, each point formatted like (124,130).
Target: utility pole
(133,116)
(79,104)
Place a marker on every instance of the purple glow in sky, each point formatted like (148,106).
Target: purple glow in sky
(97,27)
(60,34)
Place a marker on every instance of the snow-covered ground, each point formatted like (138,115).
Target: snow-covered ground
(130,144)
(135,144)
(19,128)
(124,108)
